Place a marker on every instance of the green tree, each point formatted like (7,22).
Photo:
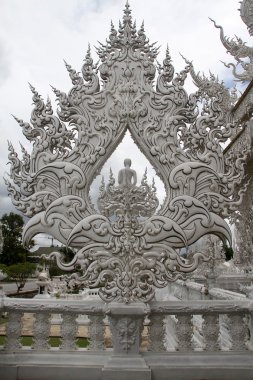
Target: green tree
(229,253)
(20,273)
(13,251)
(68,255)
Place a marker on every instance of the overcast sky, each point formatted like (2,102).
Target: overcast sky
(36,35)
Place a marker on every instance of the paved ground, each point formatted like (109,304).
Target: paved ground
(11,287)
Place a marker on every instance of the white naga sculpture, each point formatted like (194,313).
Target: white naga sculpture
(243,54)
(128,247)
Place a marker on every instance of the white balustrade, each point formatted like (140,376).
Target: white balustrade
(174,325)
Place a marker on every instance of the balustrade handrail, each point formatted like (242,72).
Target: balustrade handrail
(214,292)
(93,307)
(201,307)
(172,325)
(225,294)
(51,305)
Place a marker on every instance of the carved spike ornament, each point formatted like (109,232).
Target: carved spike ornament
(128,248)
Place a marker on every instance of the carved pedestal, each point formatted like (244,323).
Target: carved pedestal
(126,323)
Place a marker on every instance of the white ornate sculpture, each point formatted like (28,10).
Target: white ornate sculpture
(129,247)
(243,54)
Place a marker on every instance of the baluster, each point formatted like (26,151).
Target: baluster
(211,332)
(197,338)
(13,330)
(225,337)
(238,332)
(41,331)
(156,333)
(170,333)
(184,332)
(96,330)
(68,332)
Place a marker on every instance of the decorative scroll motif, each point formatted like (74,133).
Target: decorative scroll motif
(242,53)
(127,253)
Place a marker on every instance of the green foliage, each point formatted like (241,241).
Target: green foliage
(53,341)
(2,267)
(13,251)
(20,273)
(68,253)
(229,253)
(54,270)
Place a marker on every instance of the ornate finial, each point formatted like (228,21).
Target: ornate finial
(113,32)
(32,88)
(167,70)
(89,72)
(55,90)
(49,108)
(127,18)
(144,178)
(88,56)
(168,57)
(74,76)
(111,178)
(142,30)
(19,121)
(10,146)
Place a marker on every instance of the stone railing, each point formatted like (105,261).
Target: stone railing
(192,291)
(135,327)
(42,315)
(147,334)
